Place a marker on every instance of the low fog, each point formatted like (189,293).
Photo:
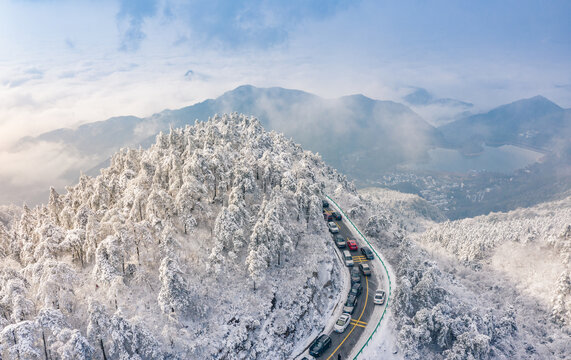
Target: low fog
(388,134)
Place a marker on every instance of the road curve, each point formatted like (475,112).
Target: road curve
(367,316)
(343,344)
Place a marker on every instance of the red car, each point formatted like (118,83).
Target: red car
(352,244)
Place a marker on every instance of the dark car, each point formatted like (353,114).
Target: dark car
(356,289)
(365,269)
(340,241)
(318,347)
(336,216)
(325,204)
(367,253)
(350,304)
(327,217)
(355,276)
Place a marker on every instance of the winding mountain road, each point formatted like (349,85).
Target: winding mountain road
(367,316)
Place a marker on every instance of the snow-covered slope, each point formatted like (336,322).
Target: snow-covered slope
(531,247)
(208,245)
(408,211)
(447,308)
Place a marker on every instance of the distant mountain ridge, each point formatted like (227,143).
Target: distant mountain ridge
(361,137)
(536,123)
(421,97)
(387,133)
(216,228)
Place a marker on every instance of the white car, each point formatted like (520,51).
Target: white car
(342,323)
(379,297)
(332,227)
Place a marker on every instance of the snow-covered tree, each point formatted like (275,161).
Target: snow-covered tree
(174,295)
(122,263)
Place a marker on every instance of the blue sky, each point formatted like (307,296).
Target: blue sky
(66,62)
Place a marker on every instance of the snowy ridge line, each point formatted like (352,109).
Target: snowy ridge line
(386,271)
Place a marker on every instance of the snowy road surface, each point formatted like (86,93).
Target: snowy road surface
(344,343)
(366,314)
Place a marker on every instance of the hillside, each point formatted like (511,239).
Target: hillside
(536,123)
(490,287)
(209,244)
(408,211)
(357,135)
(387,133)
(530,246)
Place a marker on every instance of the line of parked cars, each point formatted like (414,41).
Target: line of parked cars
(333,228)
(323,342)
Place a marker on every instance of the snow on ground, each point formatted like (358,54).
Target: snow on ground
(159,256)
(384,345)
(410,212)
(446,308)
(385,277)
(333,312)
(209,245)
(530,247)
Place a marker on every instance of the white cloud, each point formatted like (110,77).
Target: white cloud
(60,65)
(28,173)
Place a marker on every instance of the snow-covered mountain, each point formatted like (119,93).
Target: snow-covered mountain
(209,245)
(355,134)
(513,303)
(530,246)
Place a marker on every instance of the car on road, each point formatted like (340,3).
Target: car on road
(355,276)
(340,241)
(333,227)
(318,347)
(350,304)
(327,217)
(336,216)
(356,289)
(367,253)
(348,258)
(379,298)
(352,244)
(325,204)
(342,323)
(365,269)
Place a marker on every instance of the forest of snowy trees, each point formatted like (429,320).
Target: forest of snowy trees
(447,307)
(210,244)
(531,245)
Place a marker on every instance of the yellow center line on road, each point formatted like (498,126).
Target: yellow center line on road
(357,321)
(354,324)
(359,325)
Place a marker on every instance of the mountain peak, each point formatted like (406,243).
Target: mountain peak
(534,106)
(535,122)
(177,234)
(419,97)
